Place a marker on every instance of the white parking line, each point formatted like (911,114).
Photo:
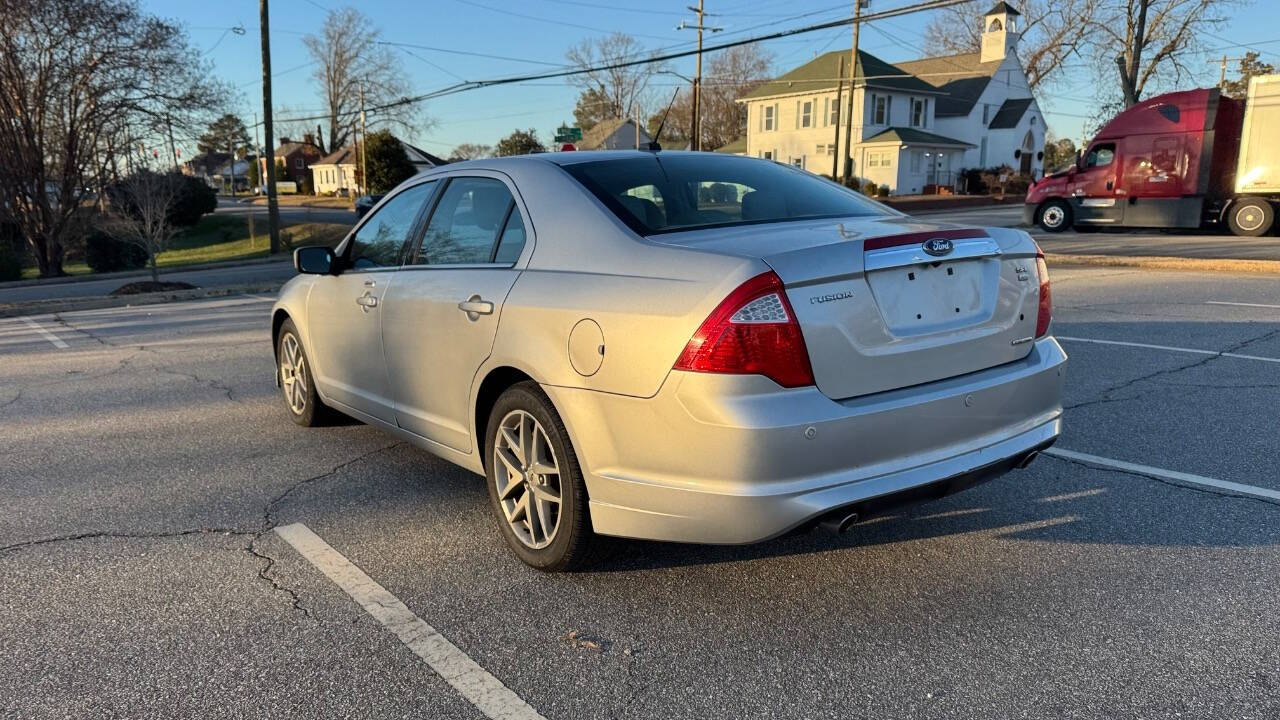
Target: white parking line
(57,342)
(1169,348)
(473,682)
(1236,304)
(1235,488)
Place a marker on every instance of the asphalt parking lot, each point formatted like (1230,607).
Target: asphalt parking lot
(148,466)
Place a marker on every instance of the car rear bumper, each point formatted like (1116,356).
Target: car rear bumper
(736,459)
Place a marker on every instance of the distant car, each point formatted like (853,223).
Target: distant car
(622,353)
(365,203)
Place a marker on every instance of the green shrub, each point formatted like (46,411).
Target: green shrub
(883,191)
(194,200)
(104,253)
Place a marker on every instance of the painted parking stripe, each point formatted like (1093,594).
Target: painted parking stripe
(473,682)
(1237,304)
(1169,348)
(57,342)
(1231,487)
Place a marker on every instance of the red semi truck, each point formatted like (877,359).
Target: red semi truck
(1182,160)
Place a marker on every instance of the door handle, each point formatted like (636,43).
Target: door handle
(475,306)
(370,283)
(367,301)
(1110,184)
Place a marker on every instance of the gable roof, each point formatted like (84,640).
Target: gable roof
(1010,113)
(599,134)
(418,156)
(823,72)
(918,137)
(348,155)
(961,77)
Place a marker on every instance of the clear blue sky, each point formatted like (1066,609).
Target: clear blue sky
(549,27)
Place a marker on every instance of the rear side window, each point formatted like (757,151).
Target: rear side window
(466,223)
(655,194)
(511,243)
(382,239)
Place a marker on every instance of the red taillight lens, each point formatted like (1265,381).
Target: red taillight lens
(752,332)
(1046,304)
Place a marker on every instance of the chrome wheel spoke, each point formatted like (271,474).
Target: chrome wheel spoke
(293,374)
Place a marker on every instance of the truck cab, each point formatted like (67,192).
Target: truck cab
(1167,162)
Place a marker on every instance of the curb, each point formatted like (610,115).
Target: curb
(1160,262)
(45,307)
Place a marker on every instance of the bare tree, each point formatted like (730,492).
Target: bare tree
(1052,32)
(730,74)
(351,60)
(1151,41)
(621,91)
(84,84)
(470,151)
(143,205)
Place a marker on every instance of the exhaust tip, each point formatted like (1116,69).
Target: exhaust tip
(839,523)
(1028,459)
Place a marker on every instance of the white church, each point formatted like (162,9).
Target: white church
(918,124)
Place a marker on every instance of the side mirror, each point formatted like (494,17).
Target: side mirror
(314,260)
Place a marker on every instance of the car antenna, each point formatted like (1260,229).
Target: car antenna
(653,144)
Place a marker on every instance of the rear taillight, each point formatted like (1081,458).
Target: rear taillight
(752,332)
(1046,304)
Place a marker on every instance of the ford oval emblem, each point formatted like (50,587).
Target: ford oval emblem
(938,247)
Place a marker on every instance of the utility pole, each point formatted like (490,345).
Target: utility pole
(853,78)
(257,152)
(835,147)
(231,147)
(695,141)
(273,209)
(364,148)
(1222,70)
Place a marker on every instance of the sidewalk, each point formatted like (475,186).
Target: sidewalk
(94,277)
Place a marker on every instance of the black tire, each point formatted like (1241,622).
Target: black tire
(1251,217)
(313,410)
(1054,216)
(573,542)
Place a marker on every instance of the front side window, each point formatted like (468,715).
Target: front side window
(381,240)
(465,223)
(1100,155)
(713,191)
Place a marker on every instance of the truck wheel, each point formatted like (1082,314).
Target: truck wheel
(1054,216)
(1251,217)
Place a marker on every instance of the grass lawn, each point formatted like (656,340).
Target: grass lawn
(220,238)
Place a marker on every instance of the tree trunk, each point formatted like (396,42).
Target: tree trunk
(1131,62)
(155,272)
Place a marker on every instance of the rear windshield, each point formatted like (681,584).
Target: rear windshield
(658,194)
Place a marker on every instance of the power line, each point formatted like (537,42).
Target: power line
(470,54)
(560,23)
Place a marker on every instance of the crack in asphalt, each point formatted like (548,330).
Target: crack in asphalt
(12,400)
(267,525)
(1107,394)
(1224,494)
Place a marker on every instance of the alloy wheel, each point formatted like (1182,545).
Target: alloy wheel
(527,480)
(1053,216)
(293,374)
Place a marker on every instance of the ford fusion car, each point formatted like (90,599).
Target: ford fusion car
(675,346)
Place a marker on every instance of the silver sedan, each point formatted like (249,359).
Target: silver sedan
(675,346)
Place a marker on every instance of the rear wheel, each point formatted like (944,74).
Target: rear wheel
(1251,217)
(1054,216)
(535,484)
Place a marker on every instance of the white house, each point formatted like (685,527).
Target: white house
(336,172)
(615,134)
(918,124)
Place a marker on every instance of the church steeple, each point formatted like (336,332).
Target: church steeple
(999,32)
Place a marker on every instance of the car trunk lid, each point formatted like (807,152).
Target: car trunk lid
(878,311)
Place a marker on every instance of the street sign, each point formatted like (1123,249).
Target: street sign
(568,134)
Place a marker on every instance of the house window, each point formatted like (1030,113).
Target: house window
(986,113)
(804,113)
(798,162)
(833,112)
(766,154)
(918,114)
(982,154)
(879,158)
(879,110)
(769,118)
(915,161)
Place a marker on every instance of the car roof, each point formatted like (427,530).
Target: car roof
(571,158)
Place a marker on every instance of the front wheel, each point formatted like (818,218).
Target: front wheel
(1251,217)
(535,484)
(1055,216)
(297,382)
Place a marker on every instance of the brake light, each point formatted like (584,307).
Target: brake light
(753,331)
(1046,304)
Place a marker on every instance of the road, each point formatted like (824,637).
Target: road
(288,213)
(149,461)
(278,271)
(1186,244)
